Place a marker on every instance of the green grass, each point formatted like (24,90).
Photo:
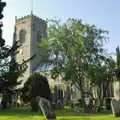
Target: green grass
(23,114)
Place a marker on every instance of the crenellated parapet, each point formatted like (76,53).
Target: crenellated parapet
(29,17)
(23,18)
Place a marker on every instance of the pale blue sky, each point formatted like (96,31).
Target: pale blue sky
(103,13)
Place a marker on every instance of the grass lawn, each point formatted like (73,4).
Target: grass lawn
(22,114)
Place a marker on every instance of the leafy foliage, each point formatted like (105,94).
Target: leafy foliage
(74,47)
(76,51)
(117,70)
(36,85)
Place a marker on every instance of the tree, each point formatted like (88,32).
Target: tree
(101,77)
(74,50)
(117,70)
(10,70)
(36,85)
(115,102)
(117,75)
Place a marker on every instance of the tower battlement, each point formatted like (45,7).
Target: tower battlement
(27,17)
(23,17)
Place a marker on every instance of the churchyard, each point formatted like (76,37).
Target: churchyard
(58,71)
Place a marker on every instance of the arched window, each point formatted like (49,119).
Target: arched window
(39,36)
(22,35)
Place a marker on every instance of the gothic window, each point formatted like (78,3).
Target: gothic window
(39,36)
(22,35)
(33,27)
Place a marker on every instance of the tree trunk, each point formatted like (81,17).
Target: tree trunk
(87,108)
(96,95)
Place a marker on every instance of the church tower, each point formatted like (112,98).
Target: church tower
(29,30)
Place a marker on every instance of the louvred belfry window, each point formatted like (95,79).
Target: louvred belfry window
(22,35)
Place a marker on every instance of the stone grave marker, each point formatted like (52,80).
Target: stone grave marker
(46,109)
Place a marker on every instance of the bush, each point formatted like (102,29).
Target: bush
(36,85)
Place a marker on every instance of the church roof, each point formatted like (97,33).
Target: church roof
(43,68)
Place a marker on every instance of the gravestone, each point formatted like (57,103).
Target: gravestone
(115,104)
(46,109)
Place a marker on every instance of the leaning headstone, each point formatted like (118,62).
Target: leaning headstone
(47,109)
(115,104)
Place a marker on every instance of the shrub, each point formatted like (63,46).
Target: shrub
(36,85)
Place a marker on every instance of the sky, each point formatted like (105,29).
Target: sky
(104,14)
